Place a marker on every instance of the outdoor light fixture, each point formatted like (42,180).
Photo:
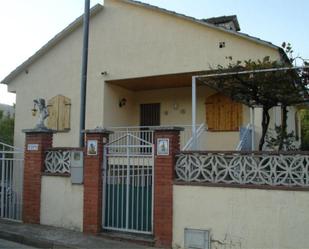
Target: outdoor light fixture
(34,110)
(122,102)
(175,106)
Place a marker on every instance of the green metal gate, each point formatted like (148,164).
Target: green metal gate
(128,184)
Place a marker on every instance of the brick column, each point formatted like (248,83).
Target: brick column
(92,219)
(37,141)
(163,186)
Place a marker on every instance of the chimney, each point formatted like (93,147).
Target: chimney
(227,22)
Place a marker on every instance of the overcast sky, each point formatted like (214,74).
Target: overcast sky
(26,25)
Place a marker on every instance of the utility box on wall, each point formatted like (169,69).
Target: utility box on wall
(77,167)
(196,239)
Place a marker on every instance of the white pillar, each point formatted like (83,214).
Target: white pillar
(252,121)
(194,138)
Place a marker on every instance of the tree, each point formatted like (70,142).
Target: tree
(300,80)
(304,117)
(265,89)
(6,128)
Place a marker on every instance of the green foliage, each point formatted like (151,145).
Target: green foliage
(279,137)
(6,128)
(265,89)
(304,117)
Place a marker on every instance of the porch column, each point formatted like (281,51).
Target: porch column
(92,215)
(37,142)
(167,144)
(252,121)
(194,138)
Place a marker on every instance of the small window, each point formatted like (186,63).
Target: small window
(196,239)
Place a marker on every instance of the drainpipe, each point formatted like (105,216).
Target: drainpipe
(83,85)
(194,142)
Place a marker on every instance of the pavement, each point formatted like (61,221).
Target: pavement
(5,244)
(40,236)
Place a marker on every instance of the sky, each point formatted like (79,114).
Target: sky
(26,25)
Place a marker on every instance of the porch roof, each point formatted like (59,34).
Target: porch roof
(157,81)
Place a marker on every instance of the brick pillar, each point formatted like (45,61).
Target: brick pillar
(163,186)
(37,141)
(92,219)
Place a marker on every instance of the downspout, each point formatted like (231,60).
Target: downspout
(83,85)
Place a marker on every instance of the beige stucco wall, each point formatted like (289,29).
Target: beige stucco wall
(61,203)
(243,218)
(126,41)
(180,116)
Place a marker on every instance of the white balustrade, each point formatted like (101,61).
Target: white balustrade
(237,168)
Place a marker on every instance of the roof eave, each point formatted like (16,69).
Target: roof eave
(71,27)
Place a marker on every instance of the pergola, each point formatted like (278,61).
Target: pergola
(213,79)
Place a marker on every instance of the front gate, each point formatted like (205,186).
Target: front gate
(11,181)
(128,184)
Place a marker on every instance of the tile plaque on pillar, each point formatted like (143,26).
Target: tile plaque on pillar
(163,146)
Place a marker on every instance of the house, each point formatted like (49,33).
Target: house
(141,63)
(132,70)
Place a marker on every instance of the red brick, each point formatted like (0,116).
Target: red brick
(163,190)
(93,187)
(33,166)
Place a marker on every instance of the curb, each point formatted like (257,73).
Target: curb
(35,242)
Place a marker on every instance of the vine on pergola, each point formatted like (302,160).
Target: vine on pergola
(262,89)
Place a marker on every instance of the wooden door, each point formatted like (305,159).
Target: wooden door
(150,115)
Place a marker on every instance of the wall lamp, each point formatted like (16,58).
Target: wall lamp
(34,110)
(122,102)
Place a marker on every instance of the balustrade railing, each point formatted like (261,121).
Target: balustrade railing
(245,143)
(146,133)
(283,169)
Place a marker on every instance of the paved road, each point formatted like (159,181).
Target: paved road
(5,244)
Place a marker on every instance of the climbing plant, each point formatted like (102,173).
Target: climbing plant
(266,89)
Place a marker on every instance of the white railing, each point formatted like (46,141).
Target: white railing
(240,168)
(245,140)
(11,181)
(146,133)
(200,130)
(128,183)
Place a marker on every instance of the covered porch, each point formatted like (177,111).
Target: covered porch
(138,104)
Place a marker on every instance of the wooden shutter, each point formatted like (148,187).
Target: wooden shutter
(64,113)
(223,114)
(52,120)
(59,108)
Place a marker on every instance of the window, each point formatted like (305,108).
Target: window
(223,114)
(59,108)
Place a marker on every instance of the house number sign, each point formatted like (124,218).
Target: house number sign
(163,146)
(32,147)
